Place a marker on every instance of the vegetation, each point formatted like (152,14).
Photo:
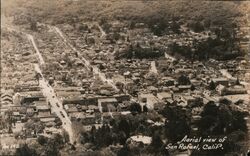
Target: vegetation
(160,16)
(44,146)
(222,47)
(220,120)
(207,12)
(25,151)
(178,124)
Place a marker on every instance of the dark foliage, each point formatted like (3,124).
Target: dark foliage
(135,108)
(25,151)
(177,125)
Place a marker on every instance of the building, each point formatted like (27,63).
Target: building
(164,95)
(104,103)
(221,81)
(148,99)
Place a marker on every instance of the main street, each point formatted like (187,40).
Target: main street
(31,38)
(56,105)
(47,90)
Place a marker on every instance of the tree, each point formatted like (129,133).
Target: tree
(210,109)
(135,108)
(122,137)
(207,124)
(54,145)
(124,126)
(65,136)
(123,151)
(58,139)
(25,151)
(237,81)
(42,140)
(9,120)
(175,27)
(225,101)
(37,77)
(221,119)
(183,80)
(178,122)
(33,25)
(51,148)
(35,125)
(192,88)
(119,85)
(225,121)
(145,108)
(177,129)
(212,85)
(156,141)
(197,26)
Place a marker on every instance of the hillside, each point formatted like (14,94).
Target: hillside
(218,13)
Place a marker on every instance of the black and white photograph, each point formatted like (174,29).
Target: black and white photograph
(125,78)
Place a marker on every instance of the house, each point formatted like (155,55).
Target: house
(82,100)
(196,110)
(72,109)
(146,140)
(168,81)
(89,127)
(30,97)
(164,95)
(48,119)
(26,88)
(195,118)
(93,108)
(235,98)
(184,87)
(235,90)
(17,116)
(195,82)
(222,81)
(152,89)
(43,110)
(220,89)
(89,120)
(103,103)
(123,106)
(148,99)
(188,99)
(7,98)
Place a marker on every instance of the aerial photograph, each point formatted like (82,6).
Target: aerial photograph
(125,78)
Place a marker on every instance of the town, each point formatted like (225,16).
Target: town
(89,81)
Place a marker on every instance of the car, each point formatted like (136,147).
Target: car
(62,114)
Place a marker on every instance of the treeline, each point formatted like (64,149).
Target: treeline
(45,146)
(114,137)
(217,13)
(118,132)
